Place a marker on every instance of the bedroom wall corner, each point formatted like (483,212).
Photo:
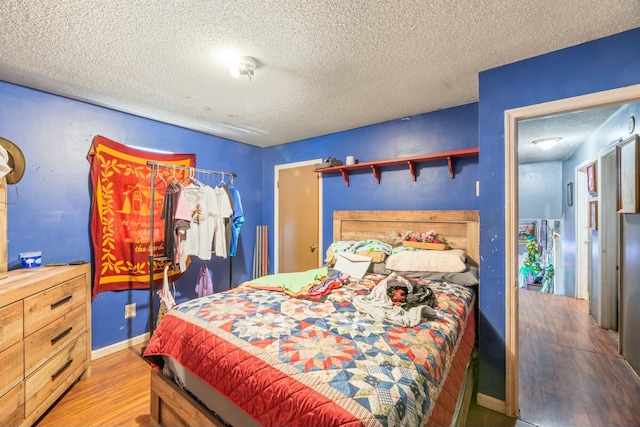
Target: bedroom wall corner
(603,64)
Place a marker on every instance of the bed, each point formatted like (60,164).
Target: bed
(250,356)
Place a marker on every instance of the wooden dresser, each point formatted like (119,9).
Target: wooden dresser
(45,338)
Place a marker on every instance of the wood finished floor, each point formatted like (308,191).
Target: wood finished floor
(570,371)
(116,394)
(570,375)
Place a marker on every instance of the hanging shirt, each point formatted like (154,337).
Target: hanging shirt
(204,284)
(182,222)
(168,214)
(237,219)
(227,221)
(221,209)
(176,219)
(201,202)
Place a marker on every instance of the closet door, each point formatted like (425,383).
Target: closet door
(298,219)
(630,290)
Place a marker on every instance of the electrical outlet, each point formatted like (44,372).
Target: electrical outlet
(130,311)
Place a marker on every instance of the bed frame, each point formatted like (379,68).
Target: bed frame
(171,406)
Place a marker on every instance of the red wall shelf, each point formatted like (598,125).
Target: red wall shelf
(410,161)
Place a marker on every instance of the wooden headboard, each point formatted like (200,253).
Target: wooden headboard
(460,229)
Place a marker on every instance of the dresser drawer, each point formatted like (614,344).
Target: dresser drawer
(53,374)
(11,326)
(46,342)
(44,307)
(12,406)
(10,367)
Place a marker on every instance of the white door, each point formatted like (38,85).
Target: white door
(608,226)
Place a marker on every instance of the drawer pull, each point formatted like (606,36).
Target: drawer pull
(61,301)
(61,370)
(61,335)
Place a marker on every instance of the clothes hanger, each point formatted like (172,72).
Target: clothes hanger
(191,178)
(162,178)
(194,179)
(187,178)
(174,177)
(221,183)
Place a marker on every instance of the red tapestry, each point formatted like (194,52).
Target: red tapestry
(120,214)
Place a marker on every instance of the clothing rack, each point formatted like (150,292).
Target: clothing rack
(154,168)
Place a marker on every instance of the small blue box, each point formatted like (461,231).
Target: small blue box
(31,259)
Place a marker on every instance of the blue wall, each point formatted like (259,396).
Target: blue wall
(50,211)
(444,130)
(600,65)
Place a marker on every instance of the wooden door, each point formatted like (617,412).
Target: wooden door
(298,212)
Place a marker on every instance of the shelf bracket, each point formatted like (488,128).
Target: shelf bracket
(345,175)
(410,161)
(450,163)
(376,172)
(412,169)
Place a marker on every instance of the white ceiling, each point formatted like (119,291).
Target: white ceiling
(323,65)
(573,129)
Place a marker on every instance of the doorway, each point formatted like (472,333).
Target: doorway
(600,99)
(297,217)
(582,234)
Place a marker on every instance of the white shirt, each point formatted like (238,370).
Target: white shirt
(197,239)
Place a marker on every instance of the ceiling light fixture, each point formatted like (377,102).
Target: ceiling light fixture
(245,66)
(547,143)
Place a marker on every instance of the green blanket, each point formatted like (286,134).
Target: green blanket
(293,282)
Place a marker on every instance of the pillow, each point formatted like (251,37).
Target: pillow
(374,249)
(449,261)
(469,277)
(337,247)
(375,256)
(329,258)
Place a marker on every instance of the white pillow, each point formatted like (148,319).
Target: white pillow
(450,261)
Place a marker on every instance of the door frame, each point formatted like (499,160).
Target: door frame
(583,253)
(276,211)
(511,117)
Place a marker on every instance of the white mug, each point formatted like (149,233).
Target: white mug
(351,160)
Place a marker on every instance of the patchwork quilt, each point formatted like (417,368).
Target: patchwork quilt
(293,361)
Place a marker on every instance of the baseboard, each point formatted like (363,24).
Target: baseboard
(122,345)
(491,403)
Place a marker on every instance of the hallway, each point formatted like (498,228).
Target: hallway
(570,369)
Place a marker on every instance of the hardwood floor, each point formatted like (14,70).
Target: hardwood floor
(570,375)
(116,394)
(570,371)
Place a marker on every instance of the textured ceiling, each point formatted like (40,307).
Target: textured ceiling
(323,65)
(573,129)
